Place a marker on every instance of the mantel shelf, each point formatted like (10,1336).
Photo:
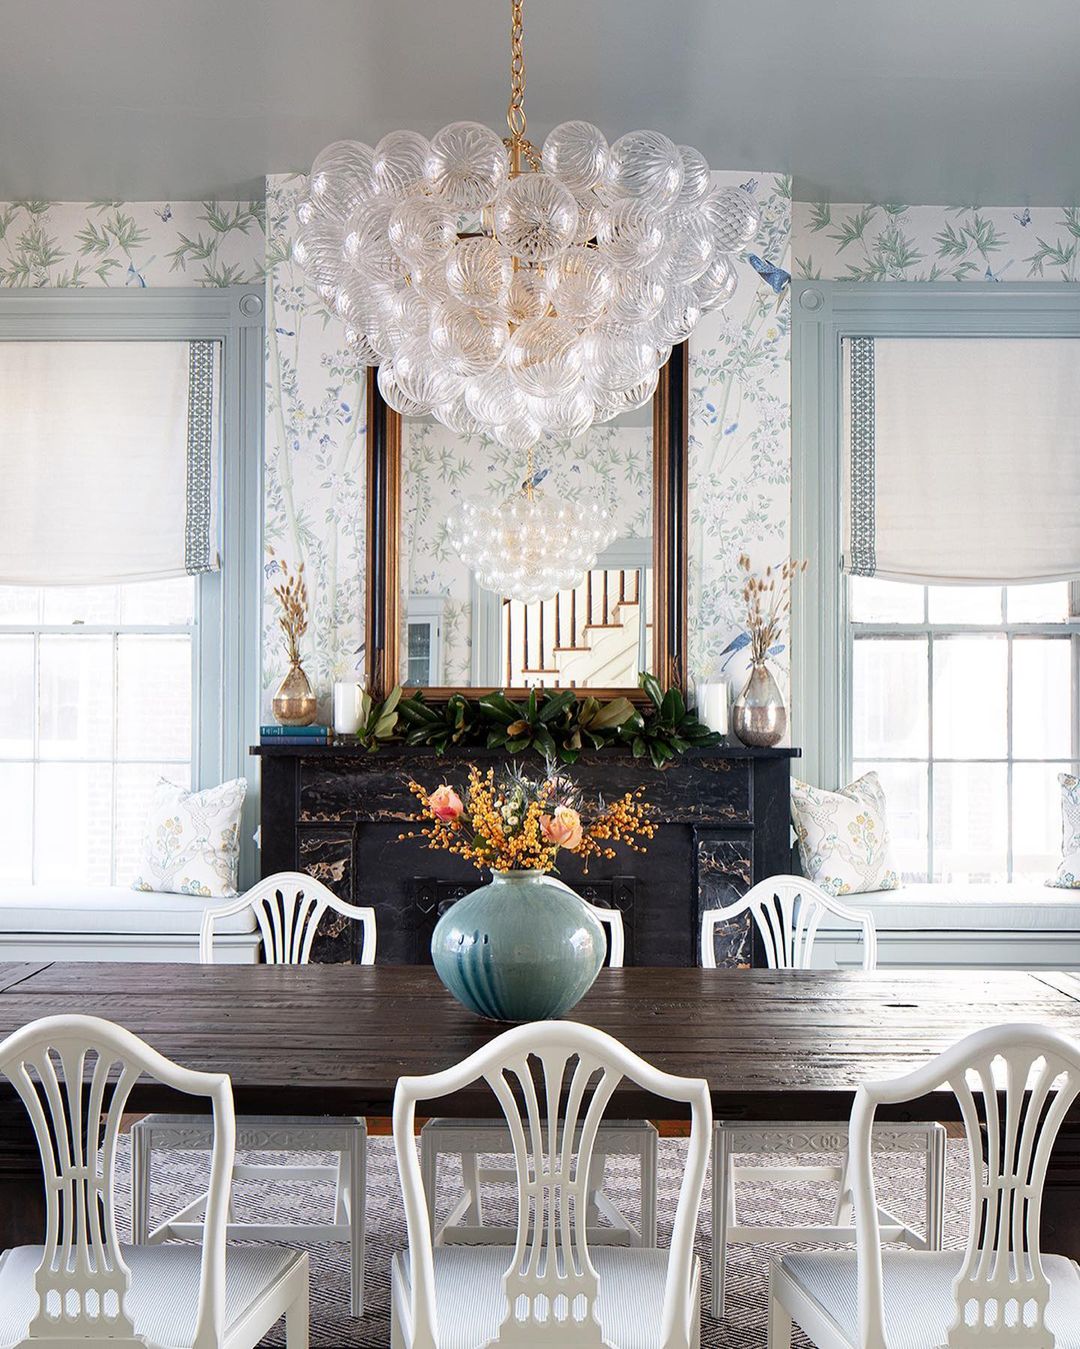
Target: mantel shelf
(345,749)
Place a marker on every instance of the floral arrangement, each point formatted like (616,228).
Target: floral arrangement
(291,594)
(512,822)
(768,604)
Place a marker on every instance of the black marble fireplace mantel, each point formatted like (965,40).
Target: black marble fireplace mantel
(337,812)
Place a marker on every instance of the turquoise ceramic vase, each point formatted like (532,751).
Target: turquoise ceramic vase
(523,947)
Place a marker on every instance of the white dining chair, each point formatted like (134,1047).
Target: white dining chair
(554,1081)
(470,1139)
(288,908)
(787,911)
(1014,1085)
(75,1075)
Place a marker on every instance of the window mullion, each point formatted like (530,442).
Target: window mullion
(1008,753)
(929,750)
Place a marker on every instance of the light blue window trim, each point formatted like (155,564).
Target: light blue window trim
(226,678)
(824,313)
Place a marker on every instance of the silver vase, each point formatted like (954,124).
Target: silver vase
(758,716)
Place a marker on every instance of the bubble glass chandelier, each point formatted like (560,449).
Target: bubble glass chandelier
(530,546)
(515,292)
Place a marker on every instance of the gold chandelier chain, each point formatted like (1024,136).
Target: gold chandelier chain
(515,113)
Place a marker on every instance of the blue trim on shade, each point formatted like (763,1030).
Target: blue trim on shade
(862,560)
(200,551)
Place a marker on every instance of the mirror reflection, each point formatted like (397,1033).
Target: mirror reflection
(461,629)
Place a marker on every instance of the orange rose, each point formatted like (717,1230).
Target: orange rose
(563,829)
(445,804)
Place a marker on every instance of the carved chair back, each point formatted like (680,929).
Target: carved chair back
(552,1079)
(74,1075)
(787,911)
(1014,1084)
(288,908)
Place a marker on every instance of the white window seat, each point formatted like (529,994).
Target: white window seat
(114,922)
(1023,926)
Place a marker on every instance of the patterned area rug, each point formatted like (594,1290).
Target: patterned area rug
(900,1188)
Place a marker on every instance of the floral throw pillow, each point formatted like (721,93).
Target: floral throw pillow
(191,845)
(1067,876)
(844,836)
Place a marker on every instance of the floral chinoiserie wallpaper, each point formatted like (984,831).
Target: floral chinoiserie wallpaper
(739,447)
(118,243)
(868,242)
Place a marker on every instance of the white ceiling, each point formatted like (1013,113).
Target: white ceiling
(943,101)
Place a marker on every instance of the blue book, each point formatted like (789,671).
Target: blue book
(294,732)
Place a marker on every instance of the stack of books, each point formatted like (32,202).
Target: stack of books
(296,735)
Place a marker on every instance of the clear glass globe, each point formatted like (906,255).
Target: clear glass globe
(545,356)
(519,434)
(566,414)
(580,285)
(734,218)
(679,317)
(410,312)
(717,284)
(360,349)
(631,235)
(318,248)
(495,399)
(422,379)
(457,417)
(478,272)
(398,164)
(592,213)
(578,154)
(467,164)
(697,177)
(637,296)
(421,231)
(393,394)
(535,217)
(470,341)
(690,246)
(341,178)
(615,360)
(366,244)
(431,282)
(527,297)
(645,166)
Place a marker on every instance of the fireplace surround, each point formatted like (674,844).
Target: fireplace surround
(338,812)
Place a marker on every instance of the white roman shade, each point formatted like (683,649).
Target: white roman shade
(962,460)
(108,461)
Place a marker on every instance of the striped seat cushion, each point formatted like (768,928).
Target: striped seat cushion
(164,1294)
(470,1305)
(919,1305)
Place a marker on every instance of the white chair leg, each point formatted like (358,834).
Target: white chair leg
(298,1318)
(844,1210)
(648,1190)
(429,1166)
(357,1163)
(597,1168)
(935,1188)
(780,1327)
(141,1155)
(722,1214)
(470,1181)
(341,1189)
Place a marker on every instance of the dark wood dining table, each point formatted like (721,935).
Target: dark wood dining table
(333,1039)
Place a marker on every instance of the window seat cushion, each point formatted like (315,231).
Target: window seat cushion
(958,906)
(107,909)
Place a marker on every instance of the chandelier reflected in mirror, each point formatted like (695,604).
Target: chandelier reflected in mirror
(529,546)
(514,292)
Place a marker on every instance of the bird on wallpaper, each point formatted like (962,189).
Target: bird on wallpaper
(134,276)
(991,275)
(739,643)
(164,214)
(749,186)
(1024,219)
(536,479)
(776,277)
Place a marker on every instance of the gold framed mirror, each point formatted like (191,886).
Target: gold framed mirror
(432,626)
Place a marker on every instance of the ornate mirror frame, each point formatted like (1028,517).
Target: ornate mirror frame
(383,512)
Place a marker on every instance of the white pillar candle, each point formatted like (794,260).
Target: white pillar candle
(712,705)
(347,707)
